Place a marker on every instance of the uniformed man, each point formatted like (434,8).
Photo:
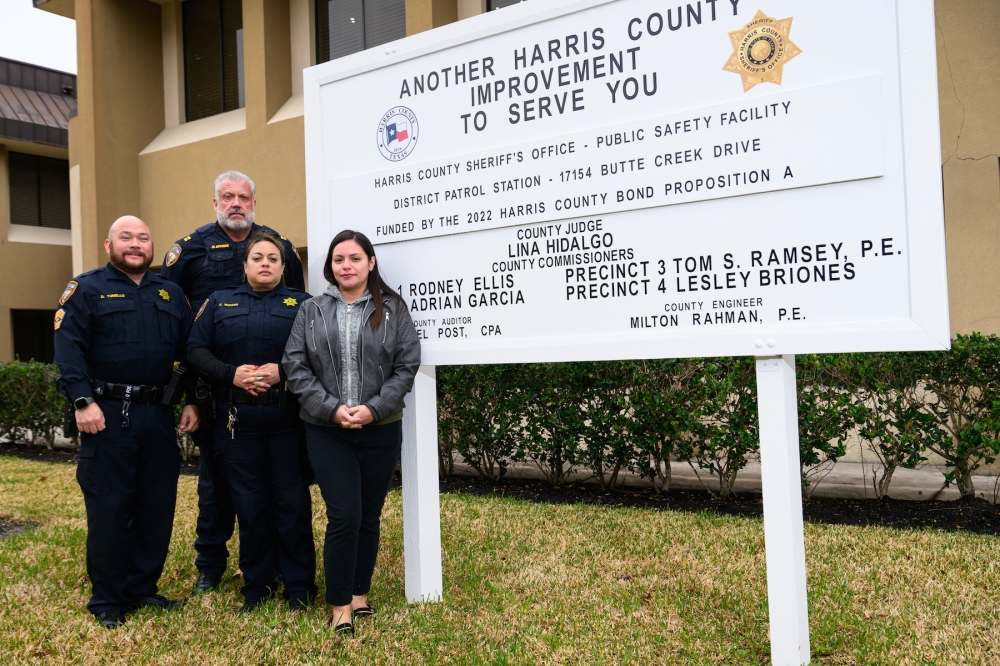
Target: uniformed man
(208,260)
(118,332)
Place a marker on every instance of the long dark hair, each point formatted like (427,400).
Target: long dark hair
(264,236)
(376,285)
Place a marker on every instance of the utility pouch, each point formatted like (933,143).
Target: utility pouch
(203,393)
(172,393)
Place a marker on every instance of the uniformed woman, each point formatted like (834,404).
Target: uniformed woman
(237,341)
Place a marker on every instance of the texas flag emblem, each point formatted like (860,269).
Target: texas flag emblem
(397,132)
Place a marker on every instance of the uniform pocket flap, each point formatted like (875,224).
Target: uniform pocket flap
(109,305)
(223,312)
(220,255)
(284,311)
(169,308)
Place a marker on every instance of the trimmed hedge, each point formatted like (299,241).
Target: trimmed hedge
(606,419)
(603,419)
(30,406)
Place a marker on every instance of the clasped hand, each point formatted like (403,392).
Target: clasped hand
(257,378)
(353,417)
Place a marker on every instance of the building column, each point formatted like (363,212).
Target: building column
(120,111)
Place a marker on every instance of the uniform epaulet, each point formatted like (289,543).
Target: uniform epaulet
(205,228)
(290,244)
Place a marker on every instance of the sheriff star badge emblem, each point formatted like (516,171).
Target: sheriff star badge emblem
(761,49)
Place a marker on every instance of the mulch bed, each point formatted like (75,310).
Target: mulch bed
(9,529)
(41,454)
(976,515)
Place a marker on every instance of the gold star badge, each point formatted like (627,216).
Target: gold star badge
(164,294)
(761,49)
(290,302)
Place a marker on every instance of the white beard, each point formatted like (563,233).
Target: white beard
(235,225)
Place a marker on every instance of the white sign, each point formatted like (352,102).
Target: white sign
(594,180)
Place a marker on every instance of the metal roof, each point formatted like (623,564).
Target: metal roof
(36,103)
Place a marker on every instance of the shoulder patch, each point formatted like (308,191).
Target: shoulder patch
(201,309)
(70,290)
(295,251)
(173,254)
(60,313)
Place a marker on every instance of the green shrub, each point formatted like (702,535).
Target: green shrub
(961,390)
(30,404)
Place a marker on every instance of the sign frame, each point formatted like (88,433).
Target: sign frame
(927,328)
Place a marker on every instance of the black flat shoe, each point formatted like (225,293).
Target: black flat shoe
(364,611)
(298,605)
(344,629)
(206,583)
(111,619)
(155,601)
(250,605)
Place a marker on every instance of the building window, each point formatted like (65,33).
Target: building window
(33,335)
(500,4)
(39,191)
(348,26)
(213,57)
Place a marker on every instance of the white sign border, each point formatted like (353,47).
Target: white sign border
(929,325)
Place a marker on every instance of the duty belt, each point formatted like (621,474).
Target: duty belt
(131,392)
(241,397)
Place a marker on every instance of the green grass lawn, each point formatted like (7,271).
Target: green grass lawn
(524,584)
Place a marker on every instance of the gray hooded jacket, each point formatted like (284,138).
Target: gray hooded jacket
(388,358)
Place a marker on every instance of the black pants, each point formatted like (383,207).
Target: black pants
(266,471)
(129,483)
(216,517)
(354,470)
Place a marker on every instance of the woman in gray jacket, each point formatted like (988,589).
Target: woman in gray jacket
(350,359)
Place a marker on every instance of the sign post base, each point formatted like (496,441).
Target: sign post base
(421,507)
(784,543)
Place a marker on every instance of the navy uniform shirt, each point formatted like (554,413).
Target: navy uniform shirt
(243,326)
(208,260)
(108,328)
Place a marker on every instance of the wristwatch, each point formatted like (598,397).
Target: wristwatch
(83,403)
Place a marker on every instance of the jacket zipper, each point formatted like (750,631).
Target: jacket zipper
(312,329)
(361,350)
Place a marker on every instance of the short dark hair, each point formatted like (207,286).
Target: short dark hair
(376,285)
(265,236)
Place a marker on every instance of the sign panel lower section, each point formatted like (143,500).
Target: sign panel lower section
(666,272)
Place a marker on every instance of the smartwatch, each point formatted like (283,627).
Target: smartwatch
(83,403)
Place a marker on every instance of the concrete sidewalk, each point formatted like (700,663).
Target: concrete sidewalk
(845,480)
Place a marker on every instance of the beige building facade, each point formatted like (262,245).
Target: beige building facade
(35,238)
(132,149)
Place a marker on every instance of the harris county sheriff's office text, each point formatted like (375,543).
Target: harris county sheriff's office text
(548,77)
